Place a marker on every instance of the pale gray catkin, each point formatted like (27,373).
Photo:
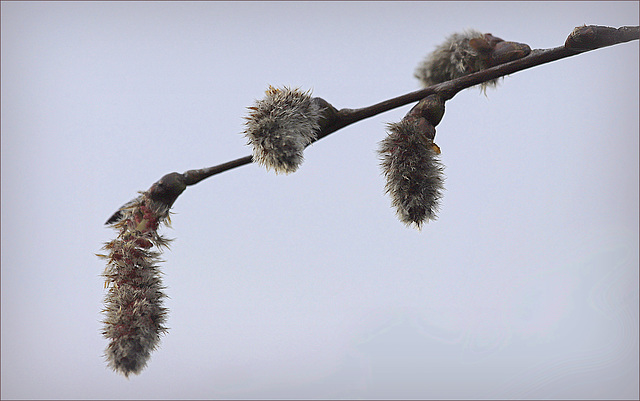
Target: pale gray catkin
(453,59)
(280,126)
(413,172)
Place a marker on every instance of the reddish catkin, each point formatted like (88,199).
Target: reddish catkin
(134,313)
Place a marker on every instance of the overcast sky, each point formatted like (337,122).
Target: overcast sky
(307,285)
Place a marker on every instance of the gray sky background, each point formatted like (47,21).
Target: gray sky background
(307,285)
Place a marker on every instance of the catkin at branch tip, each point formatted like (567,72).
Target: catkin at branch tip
(280,126)
(134,313)
(413,173)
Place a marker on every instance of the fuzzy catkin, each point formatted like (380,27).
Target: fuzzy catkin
(280,126)
(134,313)
(413,173)
(453,59)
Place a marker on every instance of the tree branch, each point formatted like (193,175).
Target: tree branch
(582,39)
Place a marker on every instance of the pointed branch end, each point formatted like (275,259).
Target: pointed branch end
(589,37)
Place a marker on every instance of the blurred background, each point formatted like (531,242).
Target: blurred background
(306,285)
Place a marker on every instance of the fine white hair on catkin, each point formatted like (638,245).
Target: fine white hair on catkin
(280,126)
(413,173)
(453,59)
